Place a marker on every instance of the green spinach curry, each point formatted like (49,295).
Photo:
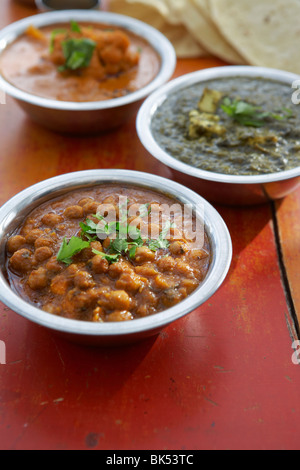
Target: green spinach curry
(238,126)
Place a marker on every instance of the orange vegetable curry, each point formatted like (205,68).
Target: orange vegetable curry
(79,62)
(108,253)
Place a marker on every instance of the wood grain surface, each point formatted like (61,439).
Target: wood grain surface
(220,378)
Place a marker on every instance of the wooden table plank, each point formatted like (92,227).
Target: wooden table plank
(288,219)
(220,378)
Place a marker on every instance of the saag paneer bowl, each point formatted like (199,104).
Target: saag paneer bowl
(111,333)
(63,96)
(190,163)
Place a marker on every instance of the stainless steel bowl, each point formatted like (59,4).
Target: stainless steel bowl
(219,188)
(87,117)
(16,209)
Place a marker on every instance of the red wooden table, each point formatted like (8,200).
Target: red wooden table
(220,378)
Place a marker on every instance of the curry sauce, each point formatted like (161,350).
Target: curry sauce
(66,260)
(79,62)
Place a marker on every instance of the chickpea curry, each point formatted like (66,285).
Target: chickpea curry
(108,253)
(79,62)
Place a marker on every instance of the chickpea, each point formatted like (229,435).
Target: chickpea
(38,279)
(22,260)
(167,263)
(98,315)
(52,219)
(116,269)
(15,243)
(60,284)
(162,282)
(129,282)
(54,309)
(33,235)
(95,245)
(99,264)
(42,253)
(177,248)
(76,301)
(84,201)
(90,207)
(143,254)
(184,268)
(83,280)
(74,212)
(115,300)
(147,269)
(198,254)
(189,284)
(106,243)
(118,315)
(53,265)
(43,241)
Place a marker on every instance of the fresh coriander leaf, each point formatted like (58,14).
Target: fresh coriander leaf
(119,245)
(134,245)
(75,27)
(134,232)
(166,229)
(158,244)
(132,251)
(54,33)
(69,248)
(78,53)
(144,210)
(161,242)
(109,257)
(248,115)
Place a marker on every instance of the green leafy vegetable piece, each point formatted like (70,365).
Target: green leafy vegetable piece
(75,27)
(161,242)
(248,115)
(69,248)
(144,210)
(119,245)
(78,53)
(111,258)
(54,33)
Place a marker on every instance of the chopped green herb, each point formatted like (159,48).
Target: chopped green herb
(127,241)
(75,27)
(78,53)
(145,210)
(161,242)
(54,33)
(109,257)
(69,248)
(248,115)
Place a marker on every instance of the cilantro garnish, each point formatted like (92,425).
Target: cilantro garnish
(54,33)
(78,53)
(75,27)
(161,242)
(248,115)
(69,248)
(127,239)
(109,257)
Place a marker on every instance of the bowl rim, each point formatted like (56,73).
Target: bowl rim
(214,224)
(155,38)
(150,105)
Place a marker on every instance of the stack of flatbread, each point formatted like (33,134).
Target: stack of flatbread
(253,32)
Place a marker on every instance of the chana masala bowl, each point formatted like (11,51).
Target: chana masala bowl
(82,71)
(107,257)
